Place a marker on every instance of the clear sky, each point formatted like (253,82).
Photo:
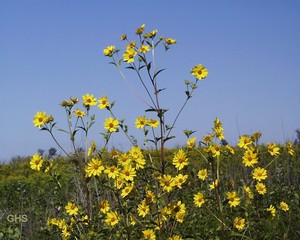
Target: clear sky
(51,50)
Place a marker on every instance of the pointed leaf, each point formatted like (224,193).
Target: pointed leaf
(158,72)
(159,90)
(168,138)
(151,110)
(141,67)
(61,130)
(149,66)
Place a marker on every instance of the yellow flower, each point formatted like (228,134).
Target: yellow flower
(261,188)
(143,209)
(180,179)
(244,141)
(123,37)
(140,30)
(273,149)
(119,182)
(255,136)
(170,41)
(150,197)
(175,237)
(132,220)
(199,199)
(239,223)
(214,184)
(250,158)
(219,133)
(248,192)
(92,148)
(89,100)
(109,51)
(218,123)
(78,113)
(180,160)
(233,199)
(215,150)
(36,162)
(103,102)
(112,171)
(166,182)
(199,72)
(149,234)
(112,218)
(67,103)
(125,191)
(207,138)
(191,142)
(40,119)
(141,122)
(65,232)
(165,212)
(230,149)
(129,55)
(260,174)
(84,219)
(136,154)
(111,124)
(284,206)
(54,221)
(131,45)
(74,99)
(178,210)
(272,210)
(104,206)
(94,167)
(150,34)
(128,173)
(289,149)
(202,174)
(152,123)
(124,159)
(144,48)
(71,208)
(218,129)
(62,224)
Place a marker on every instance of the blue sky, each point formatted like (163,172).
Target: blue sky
(51,50)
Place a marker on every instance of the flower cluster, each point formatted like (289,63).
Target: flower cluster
(150,193)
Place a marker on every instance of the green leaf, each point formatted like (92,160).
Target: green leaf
(188,133)
(188,94)
(141,67)
(159,90)
(187,82)
(149,66)
(113,63)
(61,130)
(168,127)
(91,124)
(193,85)
(130,67)
(154,76)
(74,133)
(168,138)
(93,117)
(151,110)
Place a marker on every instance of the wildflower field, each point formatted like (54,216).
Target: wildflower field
(205,189)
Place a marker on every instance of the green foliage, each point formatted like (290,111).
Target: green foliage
(212,191)
(40,197)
